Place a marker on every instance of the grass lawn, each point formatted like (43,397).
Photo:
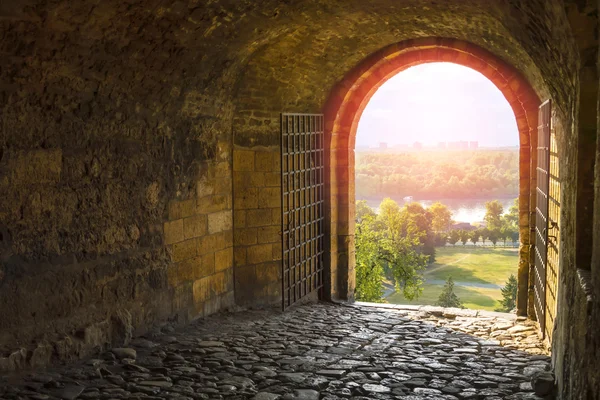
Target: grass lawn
(467,265)
(473,264)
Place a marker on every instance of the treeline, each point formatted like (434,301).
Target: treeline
(399,242)
(438,174)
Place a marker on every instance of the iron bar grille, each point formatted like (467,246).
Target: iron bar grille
(541,214)
(553,236)
(302,196)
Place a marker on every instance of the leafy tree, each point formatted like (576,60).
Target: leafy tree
(441,239)
(464,236)
(483,232)
(448,298)
(512,217)
(389,212)
(509,294)
(453,237)
(441,217)
(474,236)
(363,210)
(493,214)
(493,235)
(388,243)
(504,234)
(514,235)
(418,224)
(369,269)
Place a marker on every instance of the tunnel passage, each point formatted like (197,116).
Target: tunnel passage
(139,168)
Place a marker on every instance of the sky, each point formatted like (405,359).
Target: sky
(438,102)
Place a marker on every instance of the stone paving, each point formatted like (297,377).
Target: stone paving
(317,351)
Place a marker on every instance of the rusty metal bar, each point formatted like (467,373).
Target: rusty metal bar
(302,206)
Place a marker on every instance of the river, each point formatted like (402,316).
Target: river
(463,210)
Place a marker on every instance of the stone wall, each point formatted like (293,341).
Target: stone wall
(576,344)
(115,179)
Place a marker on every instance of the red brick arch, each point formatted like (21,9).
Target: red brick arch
(344,109)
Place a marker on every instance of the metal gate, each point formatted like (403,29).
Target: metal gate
(302,205)
(553,237)
(541,214)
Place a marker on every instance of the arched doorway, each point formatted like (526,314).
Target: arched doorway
(342,113)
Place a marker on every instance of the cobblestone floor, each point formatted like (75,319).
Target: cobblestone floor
(320,351)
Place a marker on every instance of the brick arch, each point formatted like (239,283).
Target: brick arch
(344,108)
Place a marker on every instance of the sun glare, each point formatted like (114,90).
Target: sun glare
(435,103)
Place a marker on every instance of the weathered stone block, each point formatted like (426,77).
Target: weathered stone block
(223,185)
(182,209)
(269,197)
(268,272)
(207,244)
(195,268)
(239,216)
(223,259)
(276,216)
(219,221)
(263,161)
(195,226)
(217,283)
(184,250)
(239,255)
(243,160)
(260,253)
(272,179)
(173,231)
(269,234)
(202,289)
(260,217)
(243,180)
(245,236)
(210,204)
(204,187)
(277,251)
(246,198)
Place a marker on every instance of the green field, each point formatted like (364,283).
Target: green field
(478,272)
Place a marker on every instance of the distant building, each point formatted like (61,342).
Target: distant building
(473,145)
(417,145)
(441,145)
(383,145)
(464,226)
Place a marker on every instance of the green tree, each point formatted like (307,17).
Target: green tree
(464,236)
(417,223)
(509,295)
(493,214)
(441,239)
(514,235)
(388,210)
(441,217)
(369,268)
(512,217)
(474,236)
(483,232)
(448,298)
(494,235)
(363,210)
(388,244)
(453,237)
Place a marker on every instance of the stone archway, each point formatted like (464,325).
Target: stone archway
(343,111)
